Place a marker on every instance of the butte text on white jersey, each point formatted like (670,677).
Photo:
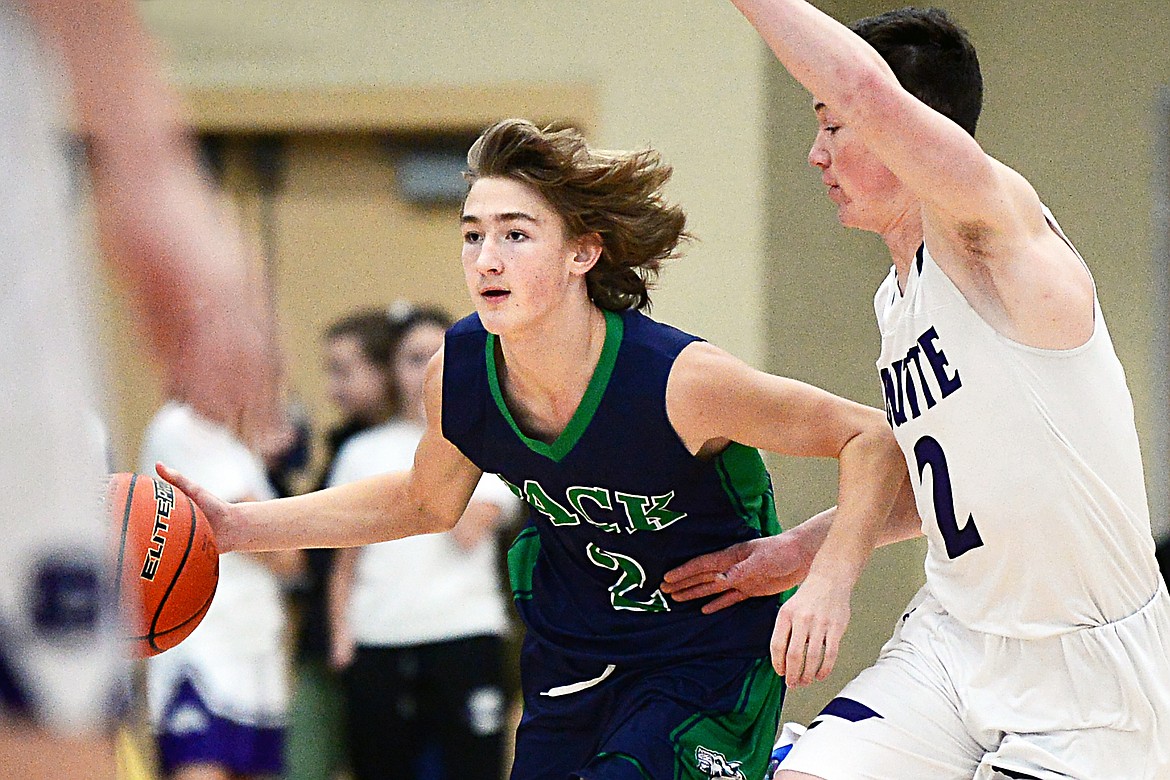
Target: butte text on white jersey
(1024,461)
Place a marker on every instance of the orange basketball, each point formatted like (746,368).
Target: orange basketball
(168,564)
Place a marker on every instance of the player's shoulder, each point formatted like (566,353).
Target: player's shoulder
(469,326)
(642,332)
(704,366)
(461,355)
(991,228)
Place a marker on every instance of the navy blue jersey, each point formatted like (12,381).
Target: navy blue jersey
(614,503)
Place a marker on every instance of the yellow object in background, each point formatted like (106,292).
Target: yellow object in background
(133,760)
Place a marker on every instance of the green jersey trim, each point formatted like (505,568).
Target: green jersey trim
(569,437)
(521,561)
(746,733)
(745,481)
(749,489)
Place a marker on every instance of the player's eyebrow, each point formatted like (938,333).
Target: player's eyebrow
(507,216)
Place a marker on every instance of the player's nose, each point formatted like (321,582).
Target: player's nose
(490,259)
(818,156)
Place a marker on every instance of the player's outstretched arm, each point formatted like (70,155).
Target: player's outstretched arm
(713,398)
(428,498)
(983,221)
(161,225)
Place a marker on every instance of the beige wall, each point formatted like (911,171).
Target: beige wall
(687,82)
(1070,88)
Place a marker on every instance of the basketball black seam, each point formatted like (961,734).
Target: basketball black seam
(202,607)
(163,601)
(125,526)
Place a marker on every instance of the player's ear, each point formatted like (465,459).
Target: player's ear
(589,248)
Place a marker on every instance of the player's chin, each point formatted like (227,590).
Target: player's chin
(494,319)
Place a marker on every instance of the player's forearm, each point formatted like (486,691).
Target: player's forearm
(870,477)
(901,524)
(119,96)
(825,56)
(479,520)
(150,200)
(903,521)
(377,509)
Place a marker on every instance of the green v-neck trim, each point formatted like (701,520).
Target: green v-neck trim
(568,438)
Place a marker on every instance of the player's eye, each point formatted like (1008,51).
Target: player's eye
(515,235)
(471,237)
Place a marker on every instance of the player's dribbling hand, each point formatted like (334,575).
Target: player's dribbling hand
(760,567)
(807,637)
(216,510)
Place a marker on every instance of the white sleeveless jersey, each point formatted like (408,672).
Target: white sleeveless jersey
(1025,464)
(424,588)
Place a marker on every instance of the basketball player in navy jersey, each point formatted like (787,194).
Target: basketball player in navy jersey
(633,445)
(187,279)
(1038,648)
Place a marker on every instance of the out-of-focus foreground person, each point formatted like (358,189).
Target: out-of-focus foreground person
(188,284)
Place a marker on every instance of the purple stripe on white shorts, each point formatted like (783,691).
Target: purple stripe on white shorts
(190,734)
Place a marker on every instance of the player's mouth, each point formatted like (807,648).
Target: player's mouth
(495,294)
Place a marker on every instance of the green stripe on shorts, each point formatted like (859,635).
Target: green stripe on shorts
(733,744)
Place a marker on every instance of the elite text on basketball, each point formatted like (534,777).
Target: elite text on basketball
(164,497)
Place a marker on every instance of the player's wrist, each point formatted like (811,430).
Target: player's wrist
(839,565)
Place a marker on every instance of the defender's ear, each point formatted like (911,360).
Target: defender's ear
(589,248)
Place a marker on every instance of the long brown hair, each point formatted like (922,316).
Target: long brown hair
(617,195)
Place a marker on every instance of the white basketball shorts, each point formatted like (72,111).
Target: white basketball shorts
(946,703)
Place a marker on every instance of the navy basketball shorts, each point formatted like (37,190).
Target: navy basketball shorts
(691,719)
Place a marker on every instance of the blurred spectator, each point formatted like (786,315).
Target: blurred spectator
(418,623)
(357,360)
(218,700)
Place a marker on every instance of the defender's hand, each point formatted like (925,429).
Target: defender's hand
(807,637)
(760,567)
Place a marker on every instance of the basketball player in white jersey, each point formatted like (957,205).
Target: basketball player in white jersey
(188,286)
(1039,646)
(218,700)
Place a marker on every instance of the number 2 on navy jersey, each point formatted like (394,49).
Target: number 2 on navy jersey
(928,452)
(631,576)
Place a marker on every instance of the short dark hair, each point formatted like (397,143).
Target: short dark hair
(617,195)
(932,57)
(405,317)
